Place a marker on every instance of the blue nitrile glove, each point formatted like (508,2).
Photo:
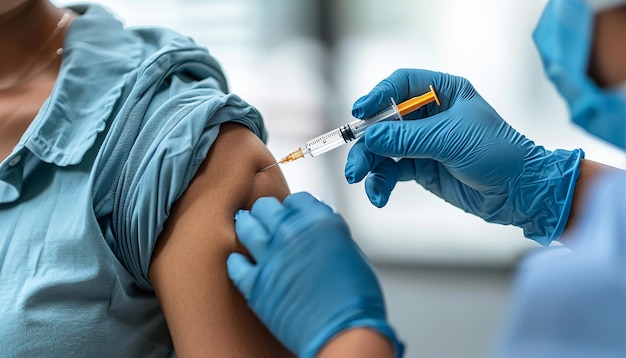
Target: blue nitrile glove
(465,153)
(310,280)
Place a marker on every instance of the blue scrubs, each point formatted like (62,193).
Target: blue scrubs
(85,193)
(572,303)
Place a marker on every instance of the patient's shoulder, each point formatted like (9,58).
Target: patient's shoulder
(204,311)
(234,164)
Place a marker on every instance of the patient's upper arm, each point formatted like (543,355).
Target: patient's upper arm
(205,313)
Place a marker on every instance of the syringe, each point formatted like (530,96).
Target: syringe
(354,130)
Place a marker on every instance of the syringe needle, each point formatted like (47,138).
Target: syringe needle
(267,167)
(297,154)
(356,129)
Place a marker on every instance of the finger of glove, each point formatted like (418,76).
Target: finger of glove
(269,212)
(423,138)
(305,202)
(378,98)
(359,162)
(426,172)
(429,173)
(242,272)
(252,234)
(381,181)
(400,85)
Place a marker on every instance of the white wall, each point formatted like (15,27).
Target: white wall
(279,69)
(274,64)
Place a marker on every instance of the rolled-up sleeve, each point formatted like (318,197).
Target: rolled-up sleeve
(174,141)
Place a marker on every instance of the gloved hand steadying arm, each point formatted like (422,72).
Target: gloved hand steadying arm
(464,152)
(310,281)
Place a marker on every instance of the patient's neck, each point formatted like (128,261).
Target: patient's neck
(23,33)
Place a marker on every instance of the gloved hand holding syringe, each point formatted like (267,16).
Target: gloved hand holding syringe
(354,130)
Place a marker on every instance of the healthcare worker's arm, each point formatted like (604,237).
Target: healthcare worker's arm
(607,68)
(590,173)
(358,343)
(464,152)
(205,313)
(570,302)
(309,282)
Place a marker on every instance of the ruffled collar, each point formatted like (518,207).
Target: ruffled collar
(98,56)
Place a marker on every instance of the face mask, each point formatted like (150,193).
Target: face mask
(563,38)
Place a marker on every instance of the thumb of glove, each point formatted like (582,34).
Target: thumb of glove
(381,181)
(242,273)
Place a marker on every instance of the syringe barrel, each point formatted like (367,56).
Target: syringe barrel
(324,143)
(358,127)
(348,132)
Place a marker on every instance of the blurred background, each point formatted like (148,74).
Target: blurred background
(445,274)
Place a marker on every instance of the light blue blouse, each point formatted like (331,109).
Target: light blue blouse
(85,193)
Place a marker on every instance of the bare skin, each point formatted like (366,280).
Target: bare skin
(205,313)
(607,64)
(608,68)
(27,70)
(358,343)
(204,310)
(590,173)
